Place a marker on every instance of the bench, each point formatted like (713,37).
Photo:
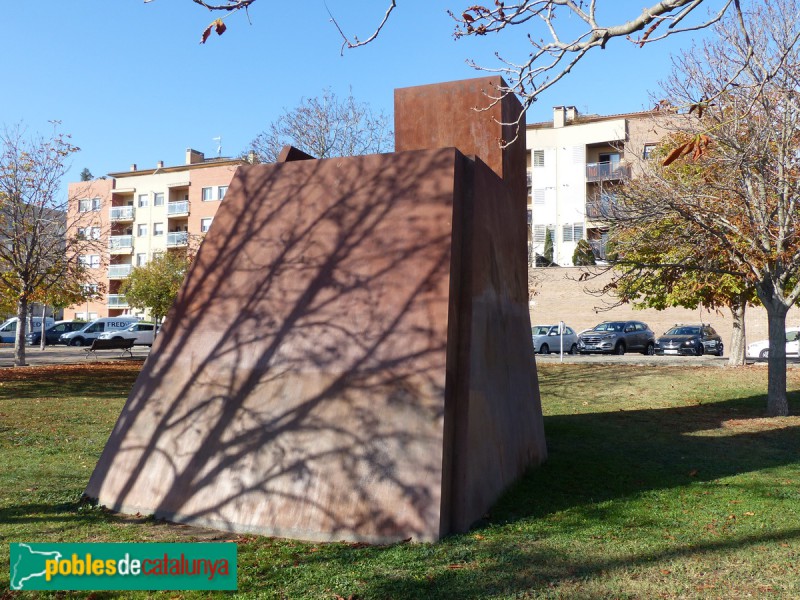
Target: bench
(118,344)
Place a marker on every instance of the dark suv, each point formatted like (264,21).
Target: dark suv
(617,337)
(694,340)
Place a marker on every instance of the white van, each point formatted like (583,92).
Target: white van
(8,330)
(90,332)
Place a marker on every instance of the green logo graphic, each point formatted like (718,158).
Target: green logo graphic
(202,566)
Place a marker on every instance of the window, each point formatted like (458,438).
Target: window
(538,234)
(94,233)
(84,205)
(221,190)
(158,199)
(610,157)
(91,261)
(142,200)
(141,230)
(572,232)
(158,229)
(538,158)
(141,259)
(96,203)
(208,194)
(648,151)
(205,224)
(538,197)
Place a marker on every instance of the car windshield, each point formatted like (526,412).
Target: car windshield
(611,326)
(541,329)
(684,331)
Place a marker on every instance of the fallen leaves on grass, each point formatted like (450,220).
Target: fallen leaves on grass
(93,369)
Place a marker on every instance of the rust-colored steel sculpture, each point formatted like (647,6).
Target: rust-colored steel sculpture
(349,357)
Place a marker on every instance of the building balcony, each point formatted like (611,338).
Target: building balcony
(599,209)
(177,238)
(178,209)
(598,248)
(119,271)
(121,213)
(606,171)
(120,244)
(117,301)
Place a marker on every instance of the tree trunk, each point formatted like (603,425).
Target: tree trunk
(736,354)
(44,328)
(19,340)
(777,402)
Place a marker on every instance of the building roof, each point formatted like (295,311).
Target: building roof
(206,163)
(581,119)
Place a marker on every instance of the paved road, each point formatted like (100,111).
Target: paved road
(652,361)
(64,355)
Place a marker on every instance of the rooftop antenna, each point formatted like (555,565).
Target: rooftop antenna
(218,139)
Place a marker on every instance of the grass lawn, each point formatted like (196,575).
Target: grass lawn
(661,483)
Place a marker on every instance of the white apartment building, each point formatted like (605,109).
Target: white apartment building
(143,212)
(574,165)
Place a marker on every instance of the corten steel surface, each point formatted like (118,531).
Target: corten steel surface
(349,357)
(464,115)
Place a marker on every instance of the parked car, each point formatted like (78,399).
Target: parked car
(694,340)
(53,333)
(143,334)
(91,331)
(617,337)
(546,339)
(760,349)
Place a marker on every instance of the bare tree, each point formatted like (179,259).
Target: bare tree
(35,251)
(554,34)
(325,127)
(733,176)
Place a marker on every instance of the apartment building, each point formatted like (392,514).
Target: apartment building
(575,163)
(143,212)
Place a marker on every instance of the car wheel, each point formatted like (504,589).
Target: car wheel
(118,337)
(573,349)
(544,349)
(76,342)
(719,349)
(619,348)
(700,349)
(764,353)
(650,349)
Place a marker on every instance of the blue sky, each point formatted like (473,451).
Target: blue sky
(130,82)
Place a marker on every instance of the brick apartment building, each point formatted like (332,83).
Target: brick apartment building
(574,165)
(143,212)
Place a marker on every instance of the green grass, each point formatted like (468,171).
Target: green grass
(661,483)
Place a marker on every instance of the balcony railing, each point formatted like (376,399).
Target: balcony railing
(603,171)
(177,238)
(178,208)
(119,271)
(120,242)
(122,213)
(117,301)
(600,208)
(598,248)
